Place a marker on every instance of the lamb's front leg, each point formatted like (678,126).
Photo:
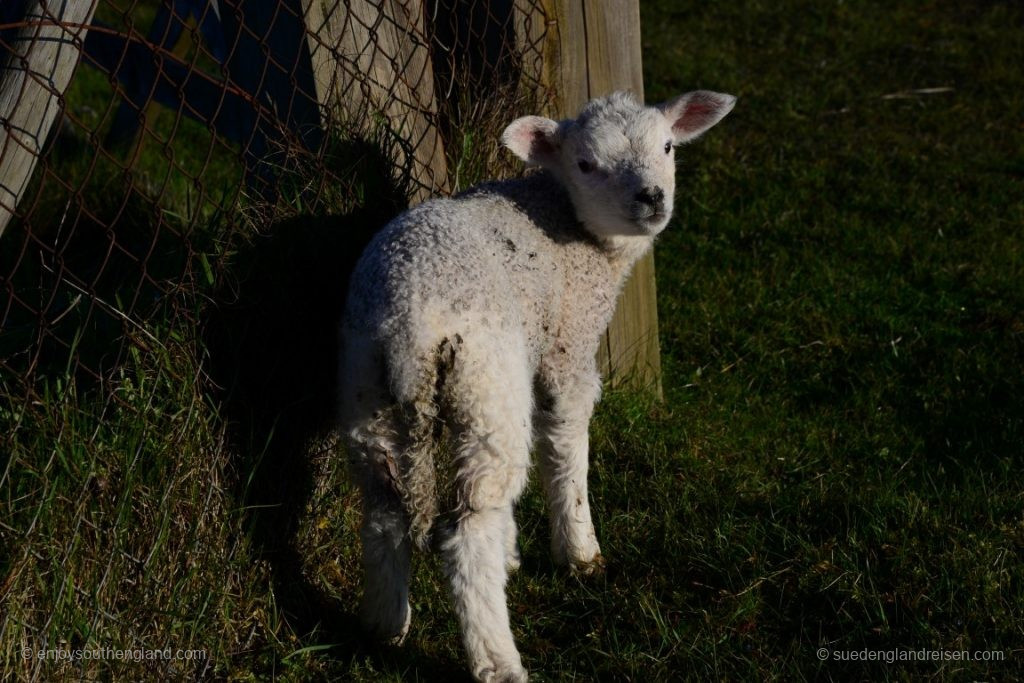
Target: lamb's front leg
(563,452)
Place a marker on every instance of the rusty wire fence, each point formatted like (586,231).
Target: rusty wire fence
(183,187)
(188,122)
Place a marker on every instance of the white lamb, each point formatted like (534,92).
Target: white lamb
(470,335)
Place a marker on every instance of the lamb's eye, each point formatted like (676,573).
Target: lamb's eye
(668,147)
(585,166)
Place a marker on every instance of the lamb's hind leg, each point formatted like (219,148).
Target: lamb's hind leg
(563,452)
(513,559)
(374,433)
(384,609)
(493,402)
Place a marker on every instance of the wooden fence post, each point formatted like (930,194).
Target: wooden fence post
(593,48)
(372,57)
(32,83)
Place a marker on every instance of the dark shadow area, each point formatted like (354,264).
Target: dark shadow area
(477,65)
(83,274)
(272,339)
(273,355)
(475,51)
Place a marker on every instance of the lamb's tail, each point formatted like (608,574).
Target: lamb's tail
(419,466)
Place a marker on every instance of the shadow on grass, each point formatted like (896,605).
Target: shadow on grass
(273,352)
(88,273)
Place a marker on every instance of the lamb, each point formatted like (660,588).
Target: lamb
(470,335)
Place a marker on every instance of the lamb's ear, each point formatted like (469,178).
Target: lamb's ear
(693,113)
(534,139)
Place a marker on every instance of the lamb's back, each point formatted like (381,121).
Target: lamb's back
(495,259)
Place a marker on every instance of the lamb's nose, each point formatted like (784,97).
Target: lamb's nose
(651,196)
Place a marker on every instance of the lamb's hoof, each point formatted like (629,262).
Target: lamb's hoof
(384,638)
(513,561)
(513,674)
(397,640)
(593,567)
(386,633)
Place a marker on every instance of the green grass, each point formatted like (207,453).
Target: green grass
(835,464)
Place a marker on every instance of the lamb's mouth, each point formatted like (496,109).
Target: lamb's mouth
(653,218)
(647,220)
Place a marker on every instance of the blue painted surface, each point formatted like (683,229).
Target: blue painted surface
(11,11)
(261,46)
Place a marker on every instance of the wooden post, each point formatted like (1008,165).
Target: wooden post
(371,58)
(593,48)
(32,84)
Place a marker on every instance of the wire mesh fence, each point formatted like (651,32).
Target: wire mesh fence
(183,111)
(183,185)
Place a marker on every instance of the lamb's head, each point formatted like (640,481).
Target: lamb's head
(616,159)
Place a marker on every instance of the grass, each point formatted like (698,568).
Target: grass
(835,464)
